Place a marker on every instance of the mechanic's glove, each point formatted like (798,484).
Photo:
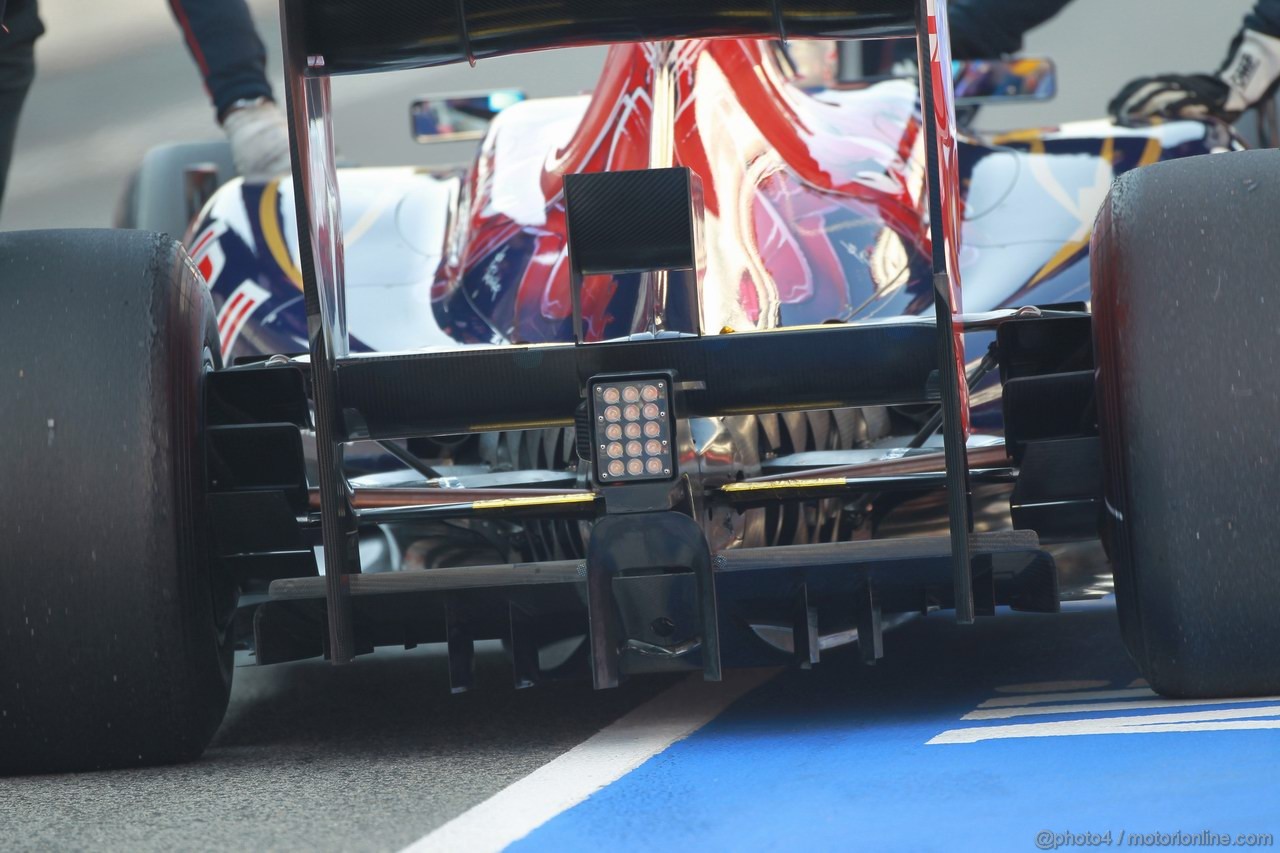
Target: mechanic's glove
(259,137)
(1248,75)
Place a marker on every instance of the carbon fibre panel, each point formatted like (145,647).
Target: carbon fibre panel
(356,36)
(509,387)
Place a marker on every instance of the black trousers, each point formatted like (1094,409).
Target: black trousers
(17,70)
(226,48)
(985,29)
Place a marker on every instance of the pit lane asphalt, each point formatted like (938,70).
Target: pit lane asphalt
(366,757)
(378,754)
(1020,732)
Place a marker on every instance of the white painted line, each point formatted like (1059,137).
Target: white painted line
(1196,721)
(1093,707)
(562,783)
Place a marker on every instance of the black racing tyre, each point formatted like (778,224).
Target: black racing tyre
(155,198)
(1187,339)
(111,649)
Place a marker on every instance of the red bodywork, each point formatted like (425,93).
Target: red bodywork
(815,211)
(799,192)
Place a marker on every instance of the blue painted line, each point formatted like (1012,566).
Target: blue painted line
(837,758)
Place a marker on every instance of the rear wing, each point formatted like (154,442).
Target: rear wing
(403,395)
(353,36)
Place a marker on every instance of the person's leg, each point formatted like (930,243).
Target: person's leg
(22,27)
(226,48)
(17,69)
(990,29)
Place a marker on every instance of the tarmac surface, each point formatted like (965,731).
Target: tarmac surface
(314,757)
(969,738)
(1022,732)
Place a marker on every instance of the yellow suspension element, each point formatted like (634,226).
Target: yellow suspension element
(776,485)
(534,501)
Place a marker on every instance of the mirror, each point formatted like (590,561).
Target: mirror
(977,81)
(982,81)
(450,118)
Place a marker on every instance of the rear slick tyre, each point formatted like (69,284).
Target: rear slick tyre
(113,653)
(1187,341)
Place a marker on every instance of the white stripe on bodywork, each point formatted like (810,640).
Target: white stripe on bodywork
(236,311)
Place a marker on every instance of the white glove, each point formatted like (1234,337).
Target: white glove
(1248,75)
(1251,70)
(259,137)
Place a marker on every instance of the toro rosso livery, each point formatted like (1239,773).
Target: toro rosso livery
(717,365)
(814,211)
